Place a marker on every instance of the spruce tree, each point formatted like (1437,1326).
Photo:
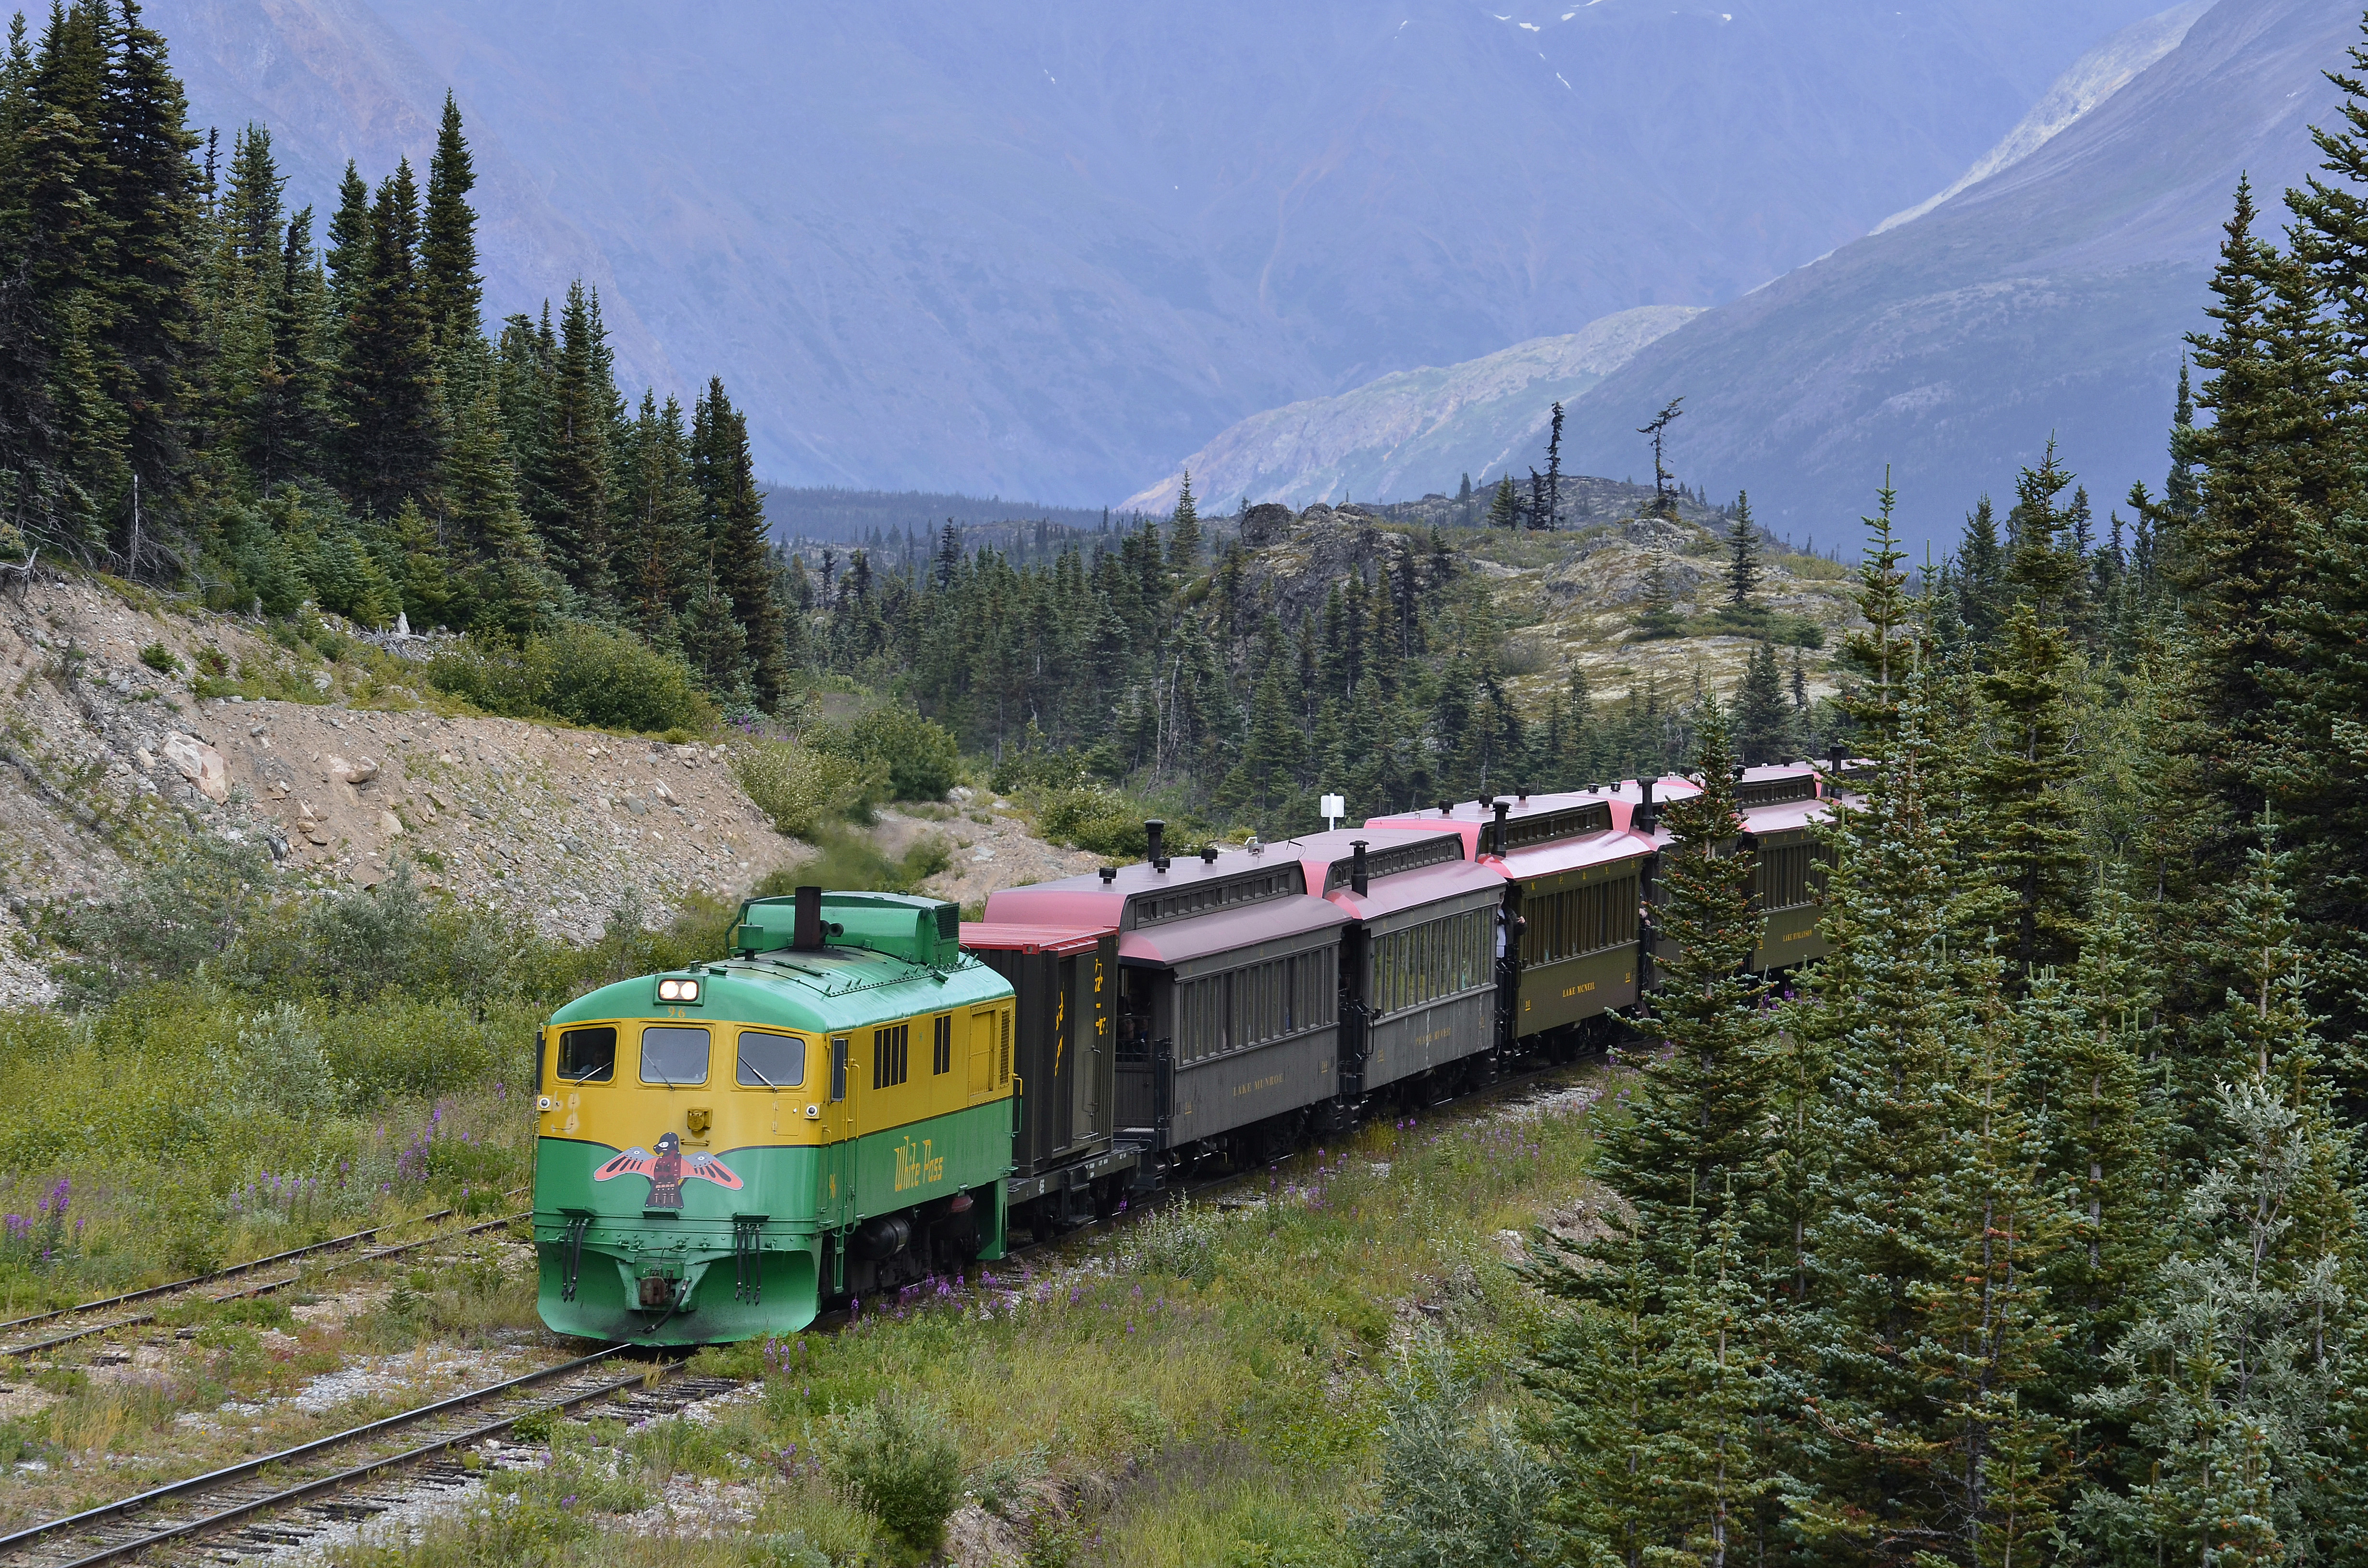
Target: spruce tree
(1505,506)
(1184,532)
(577,532)
(1763,719)
(1981,576)
(392,437)
(285,420)
(732,509)
(1743,569)
(2030,831)
(2266,361)
(348,254)
(1657,612)
(151,198)
(447,252)
(665,543)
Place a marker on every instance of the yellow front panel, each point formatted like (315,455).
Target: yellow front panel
(624,1111)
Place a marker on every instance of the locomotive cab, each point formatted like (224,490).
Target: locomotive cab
(724,1149)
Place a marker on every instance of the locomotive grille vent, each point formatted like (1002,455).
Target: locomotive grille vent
(1775,791)
(1571,822)
(1200,898)
(1398,860)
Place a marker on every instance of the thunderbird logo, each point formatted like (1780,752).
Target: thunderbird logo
(667,1170)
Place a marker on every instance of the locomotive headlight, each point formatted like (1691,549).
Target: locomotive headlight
(678,991)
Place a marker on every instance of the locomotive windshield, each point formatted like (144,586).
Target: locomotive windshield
(674,1056)
(771,1060)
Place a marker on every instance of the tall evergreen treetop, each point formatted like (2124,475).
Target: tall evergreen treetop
(1743,569)
(447,252)
(1184,532)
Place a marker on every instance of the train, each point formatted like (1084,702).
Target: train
(868,1093)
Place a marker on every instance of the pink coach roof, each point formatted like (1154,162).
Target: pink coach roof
(1053,939)
(1578,850)
(1273,904)
(1388,891)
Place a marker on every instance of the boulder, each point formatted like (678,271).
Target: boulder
(361,770)
(200,764)
(1266,523)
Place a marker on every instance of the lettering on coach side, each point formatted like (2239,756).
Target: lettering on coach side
(919,1167)
(1267,1083)
(1579,989)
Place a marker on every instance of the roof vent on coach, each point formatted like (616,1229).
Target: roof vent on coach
(1155,833)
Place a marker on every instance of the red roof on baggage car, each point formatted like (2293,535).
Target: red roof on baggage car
(1431,865)
(1054,939)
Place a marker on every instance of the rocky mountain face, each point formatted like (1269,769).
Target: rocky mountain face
(2048,300)
(1405,433)
(1048,250)
(107,760)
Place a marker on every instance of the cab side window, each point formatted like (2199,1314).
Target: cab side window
(587,1056)
(771,1061)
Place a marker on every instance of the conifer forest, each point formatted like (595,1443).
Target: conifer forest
(2025,1228)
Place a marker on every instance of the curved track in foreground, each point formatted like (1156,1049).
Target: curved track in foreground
(57,1317)
(284,1499)
(321,1482)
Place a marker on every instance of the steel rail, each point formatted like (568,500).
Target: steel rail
(263,1290)
(246,1468)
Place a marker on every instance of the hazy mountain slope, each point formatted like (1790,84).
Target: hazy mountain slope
(2094,77)
(2052,297)
(1048,249)
(1402,435)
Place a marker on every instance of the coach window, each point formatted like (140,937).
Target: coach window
(587,1056)
(771,1061)
(674,1056)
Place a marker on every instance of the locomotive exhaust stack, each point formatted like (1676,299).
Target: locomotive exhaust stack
(1156,833)
(805,934)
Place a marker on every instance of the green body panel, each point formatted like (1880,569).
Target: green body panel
(790,1185)
(831,990)
(1790,937)
(1572,989)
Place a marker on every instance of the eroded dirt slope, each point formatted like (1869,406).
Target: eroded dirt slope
(105,759)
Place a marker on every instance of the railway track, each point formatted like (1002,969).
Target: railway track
(283,1499)
(39,1331)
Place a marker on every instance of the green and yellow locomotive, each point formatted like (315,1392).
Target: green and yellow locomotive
(725,1150)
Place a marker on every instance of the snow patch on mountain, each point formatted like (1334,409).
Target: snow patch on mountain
(2094,77)
(1413,431)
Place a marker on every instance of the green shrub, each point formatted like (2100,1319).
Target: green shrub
(899,1455)
(916,755)
(1104,822)
(802,788)
(580,674)
(1458,1489)
(1179,1240)
(161,659)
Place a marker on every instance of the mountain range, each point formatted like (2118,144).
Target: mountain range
(2047,302)
(1046,249)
